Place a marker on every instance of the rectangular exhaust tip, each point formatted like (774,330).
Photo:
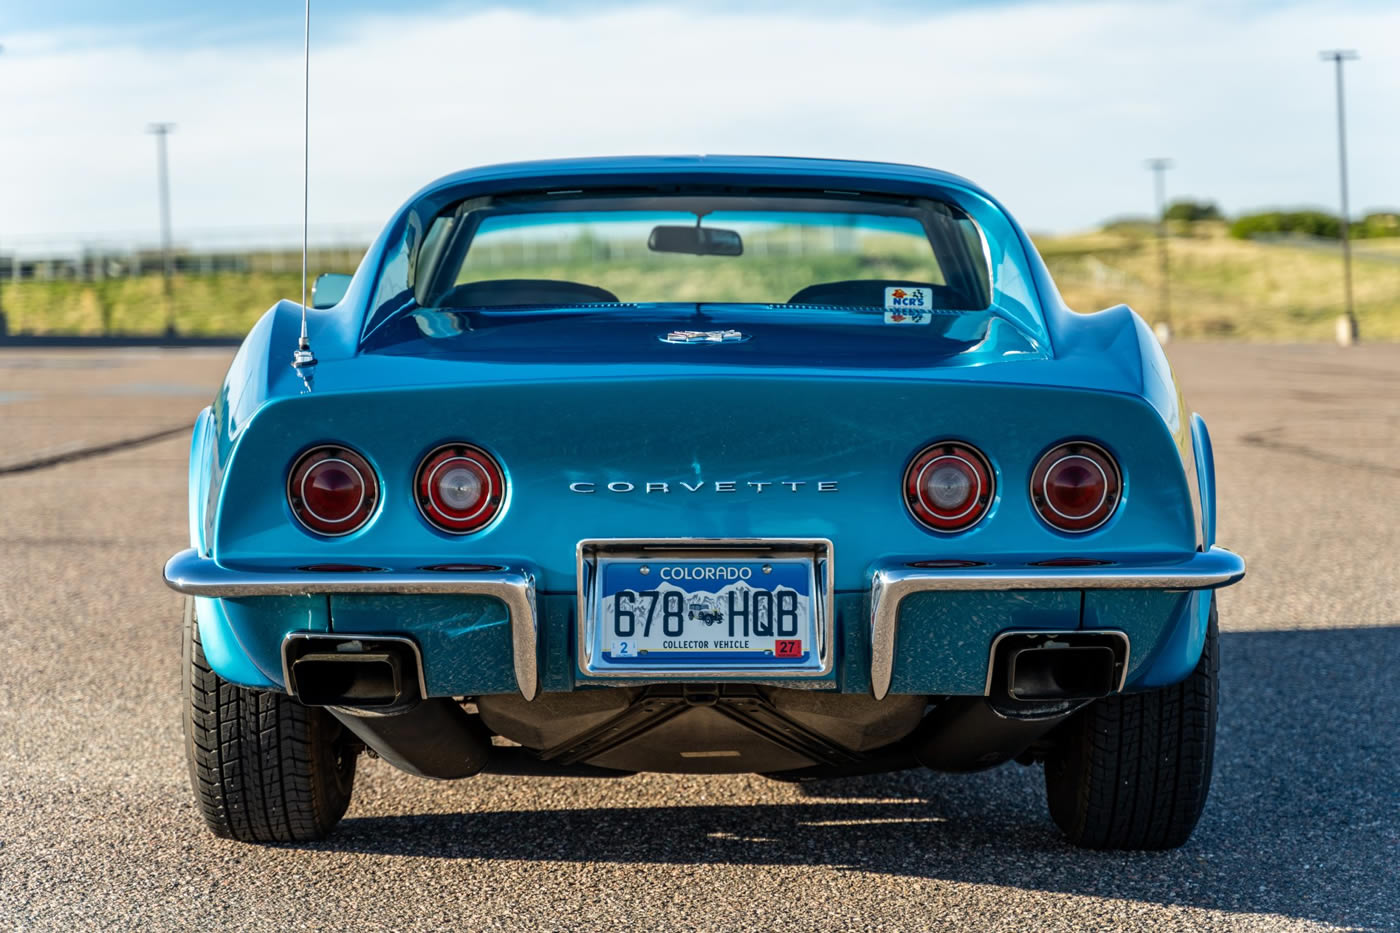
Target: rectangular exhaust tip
(1052,666)
(357,679)
(1062,673)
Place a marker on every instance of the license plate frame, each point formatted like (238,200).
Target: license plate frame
(595,556)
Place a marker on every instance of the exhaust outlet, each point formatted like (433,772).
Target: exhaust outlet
(371,679)
(1039,667)
(358,673)
(1035,682)
(1068,673)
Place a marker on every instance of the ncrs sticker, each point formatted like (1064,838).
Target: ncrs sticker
(908,305)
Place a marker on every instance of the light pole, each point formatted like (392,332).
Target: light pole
(1159,170)
(1347,333)
(161,131)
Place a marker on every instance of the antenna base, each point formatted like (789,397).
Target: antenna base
(303,358)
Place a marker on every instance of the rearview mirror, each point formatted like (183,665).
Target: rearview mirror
(328,289)
(699,241)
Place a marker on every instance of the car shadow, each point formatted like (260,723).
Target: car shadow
(1303,819)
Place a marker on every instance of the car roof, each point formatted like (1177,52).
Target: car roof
(588,172)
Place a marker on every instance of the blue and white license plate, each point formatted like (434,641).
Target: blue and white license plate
(702,614)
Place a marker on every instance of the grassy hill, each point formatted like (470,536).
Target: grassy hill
(1220,288)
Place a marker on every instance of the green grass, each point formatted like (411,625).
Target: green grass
(750,279)
(206,305)
(1220,287)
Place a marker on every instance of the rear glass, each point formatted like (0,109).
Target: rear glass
(720,249)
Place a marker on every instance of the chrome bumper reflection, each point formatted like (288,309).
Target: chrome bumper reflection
(189,573)
(1205,570)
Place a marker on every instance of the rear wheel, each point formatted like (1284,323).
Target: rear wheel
(1133,771)
(264,768)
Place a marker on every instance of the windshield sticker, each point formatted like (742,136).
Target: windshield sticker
(908,305)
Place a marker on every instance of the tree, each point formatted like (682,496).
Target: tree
(1192,210)
(1306,223)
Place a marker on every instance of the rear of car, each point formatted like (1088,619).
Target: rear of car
(742,465)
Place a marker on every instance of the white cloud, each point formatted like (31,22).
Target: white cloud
(1053,108)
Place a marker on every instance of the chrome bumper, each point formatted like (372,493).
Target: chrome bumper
(189,573)
(1205,570)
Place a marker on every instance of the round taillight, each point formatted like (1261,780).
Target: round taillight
(332,490)
(459,488)
(949,486)
(1076,486)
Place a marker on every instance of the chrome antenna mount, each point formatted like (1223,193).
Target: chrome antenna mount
(303,357)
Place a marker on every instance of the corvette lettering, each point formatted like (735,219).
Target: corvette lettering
(721,486)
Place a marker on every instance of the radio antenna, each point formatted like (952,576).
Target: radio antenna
(303,357)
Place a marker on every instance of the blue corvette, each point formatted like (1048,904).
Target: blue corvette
(706,465)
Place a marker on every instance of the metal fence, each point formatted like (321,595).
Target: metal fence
(217,281)
(221,281)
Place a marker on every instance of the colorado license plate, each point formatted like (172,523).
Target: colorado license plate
(707,614)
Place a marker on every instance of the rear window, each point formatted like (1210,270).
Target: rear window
(848,252)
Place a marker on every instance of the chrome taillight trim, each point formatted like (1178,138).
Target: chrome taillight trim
(1045,489)
(316,515)
(980,465)
(370,488)
(1044,494)
(976,496)
(489,465)
(485,496)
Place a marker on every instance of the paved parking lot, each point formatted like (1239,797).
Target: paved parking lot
(98,828)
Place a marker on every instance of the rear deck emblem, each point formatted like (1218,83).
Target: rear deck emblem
(704,336)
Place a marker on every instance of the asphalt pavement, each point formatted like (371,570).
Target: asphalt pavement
(98,826)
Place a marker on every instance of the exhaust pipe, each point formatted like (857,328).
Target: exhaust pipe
(360,672)
(367,679)
(435,738)
(1041,667)
(1068,673)
(374,685)
(970,734)
(1035,681)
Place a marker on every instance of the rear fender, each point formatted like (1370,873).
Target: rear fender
(1179,651)
(222,652)
(1205,476)
(198,487)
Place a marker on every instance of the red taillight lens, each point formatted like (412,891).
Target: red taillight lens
(1076,486)
(332,490)
(460,488)
(949,486)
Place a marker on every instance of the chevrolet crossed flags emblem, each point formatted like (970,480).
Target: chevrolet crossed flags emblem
(704,336)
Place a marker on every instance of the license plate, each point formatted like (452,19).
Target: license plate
(707,614)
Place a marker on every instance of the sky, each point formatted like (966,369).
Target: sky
(1053,107)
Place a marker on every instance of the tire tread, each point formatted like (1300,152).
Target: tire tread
(1133,771)
(262,766)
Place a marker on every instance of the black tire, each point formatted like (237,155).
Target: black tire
(263,767)
(1133,771)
